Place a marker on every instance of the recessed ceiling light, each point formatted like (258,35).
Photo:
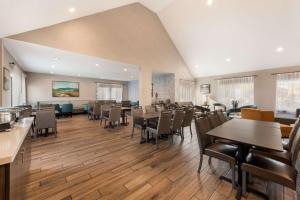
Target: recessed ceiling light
(196,66)
(97,64)
(51,72)
(71,10)
(125,69)
(279,49)
(209,2)
(53,66)
(228,59)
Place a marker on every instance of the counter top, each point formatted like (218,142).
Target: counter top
(12,140)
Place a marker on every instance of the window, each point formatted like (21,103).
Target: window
(240,89)
(109,92)
(186,90)
(288,92)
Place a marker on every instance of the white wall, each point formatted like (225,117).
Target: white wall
(264,86)
(16,95)
(39,87)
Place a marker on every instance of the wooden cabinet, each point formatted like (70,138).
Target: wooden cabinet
(13,175)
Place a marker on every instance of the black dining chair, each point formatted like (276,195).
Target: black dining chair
(220,151)
(214,119)
(163,126)
(273,171)
(221,116)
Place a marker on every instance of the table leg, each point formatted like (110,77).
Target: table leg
(241,158)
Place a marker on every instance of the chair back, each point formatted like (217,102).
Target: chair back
(67,108)
(115,114)
(137,112)
(202,127)
(177,120)
(294,132)
(126,103)
(57,108)
(118,104)
(188,117)
(45,119)
(164,122)
(219,105)
(221,116)
(295,146)
(46,107)
(150,109)
(214,120)
(96,108)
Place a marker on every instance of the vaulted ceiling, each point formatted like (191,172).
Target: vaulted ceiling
(20,16)
(213,36)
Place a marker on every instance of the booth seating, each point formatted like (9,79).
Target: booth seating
(265,115)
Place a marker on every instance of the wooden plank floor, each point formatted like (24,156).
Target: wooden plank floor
(86,161)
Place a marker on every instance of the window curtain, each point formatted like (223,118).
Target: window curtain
(187,90)
(109,92)
(240,89)
(288,92)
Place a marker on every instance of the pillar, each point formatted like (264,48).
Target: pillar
(145,86)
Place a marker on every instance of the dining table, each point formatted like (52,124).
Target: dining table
(246,134)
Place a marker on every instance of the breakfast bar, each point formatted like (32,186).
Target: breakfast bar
(15,157)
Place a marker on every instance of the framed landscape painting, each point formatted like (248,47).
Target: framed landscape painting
(65,89)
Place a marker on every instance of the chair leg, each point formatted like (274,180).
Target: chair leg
(132,131)
(209,161)
(191,130)
(182,133)
(156,135)
(244,179)
(200,163)
(233,176)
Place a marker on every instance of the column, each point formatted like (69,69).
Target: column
(145,86)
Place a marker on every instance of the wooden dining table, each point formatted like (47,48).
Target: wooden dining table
(248,133)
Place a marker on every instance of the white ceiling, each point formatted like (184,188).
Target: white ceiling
(246,31)
(41,59)
(17,16)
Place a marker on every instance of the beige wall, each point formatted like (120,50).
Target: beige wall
(39,87)
(1,69)
(16,95)
(264,86)
(130,34)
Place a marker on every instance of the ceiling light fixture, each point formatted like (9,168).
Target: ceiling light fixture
(53,66)
(279,49)
(71,10)
(197,66)
(51,72)
(125,69)
(228,59)
(97,64)
(209,2)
